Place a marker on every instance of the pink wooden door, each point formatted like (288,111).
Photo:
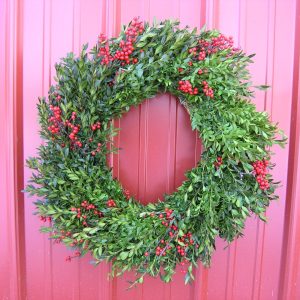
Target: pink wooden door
(158,147)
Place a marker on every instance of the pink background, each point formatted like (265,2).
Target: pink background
(158,147)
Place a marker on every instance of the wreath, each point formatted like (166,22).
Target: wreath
(89,211)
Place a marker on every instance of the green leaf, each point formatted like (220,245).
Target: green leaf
(73,176)
(123,255)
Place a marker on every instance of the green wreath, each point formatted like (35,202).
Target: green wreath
(89,210)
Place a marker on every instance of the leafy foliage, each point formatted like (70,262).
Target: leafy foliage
(89,211)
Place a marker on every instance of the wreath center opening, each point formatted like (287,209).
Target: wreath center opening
(157,147)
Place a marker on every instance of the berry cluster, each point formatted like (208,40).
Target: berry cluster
(73,116)
(184,242)
(183,266)
(201,71)
(219,162)
(111,203)
(181,246)
(126,194)
(125,52)
(45,219)
(208,91)
(56,95)
(104,51)
(76,254)
(221,43)
(74,130)
(136,27)
(186,87)
(187,238)
(85,211)
(55,119)
(162,248)
(206,47)
(198,52)
(97,150)
(59,237)
(193,51)
(216,44)
(181,250)
(201,55)
(260,172)
(126,46)
(72,242)
(96,126)
(168,217)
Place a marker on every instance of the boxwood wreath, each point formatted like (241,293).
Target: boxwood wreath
(89,211)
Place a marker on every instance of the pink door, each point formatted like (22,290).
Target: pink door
(158,147)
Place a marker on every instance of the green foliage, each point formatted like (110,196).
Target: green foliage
(213,201)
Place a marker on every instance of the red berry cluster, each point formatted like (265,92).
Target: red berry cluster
(162,248)
(111,203)
(126,46)
(104,51)
(136,27)
(97,150)
(63,234)
(183,266)
(181,250)
(126,194)
(85,211)
(166,222)
(193,51)
(221,43)
(200,72)
(76,254)
(56,95)
(184,242)
(96,126)
(181,245)
(186,87)
(125,52)
(74,131)
(67,234)
(216,44)
(219,162)
(168,213)
(45,219)
(206,47)
(208,91)
(73,116)
(198,52)
(260,171)
(55,119)
(201,55)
